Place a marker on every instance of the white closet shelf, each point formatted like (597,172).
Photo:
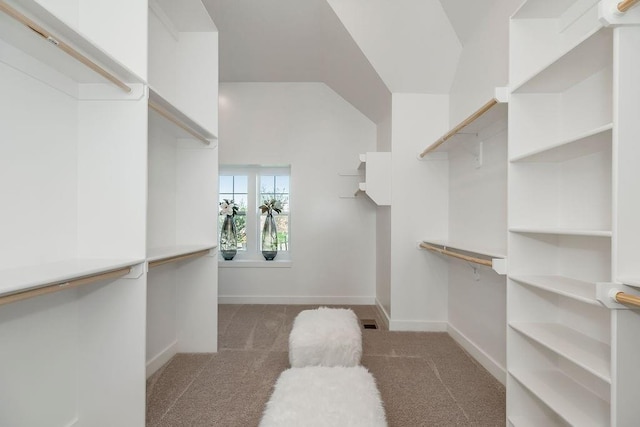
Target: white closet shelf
(166,254)
(630,281)
(571,401)
(593,53)
(56,45)
(32,277)
(520,421)
(541,9)
(491,112)
(461,246)
(491,258)
(591,355)
(571,288)
(180,124)
(561,231)
(582,144)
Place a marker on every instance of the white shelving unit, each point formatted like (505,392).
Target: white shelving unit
(377,175)
(76,168)
(569,123)
(73,164)
(183,162)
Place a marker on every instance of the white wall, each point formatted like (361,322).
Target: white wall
(333,239)
(477,196)
(383,230)
(419,210)
(483,64)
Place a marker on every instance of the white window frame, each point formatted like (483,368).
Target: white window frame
(253,253)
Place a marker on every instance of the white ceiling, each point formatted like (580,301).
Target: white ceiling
(362,49)
(295,41)
(410,43)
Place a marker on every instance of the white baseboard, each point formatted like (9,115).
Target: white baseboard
(238,299)
(480,355)
(417,326)
(383,314)
(161,358)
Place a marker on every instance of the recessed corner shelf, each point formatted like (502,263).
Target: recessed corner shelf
(591,54)
(490,258)
(561,231)
(571,401)
(583,144)
(491,112)
(182,126)
(32,29)
(377,185)
(571,288)
(32,280)
(165,255)
(591,355)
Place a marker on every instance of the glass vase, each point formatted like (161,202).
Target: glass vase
(269,238)
(228,238)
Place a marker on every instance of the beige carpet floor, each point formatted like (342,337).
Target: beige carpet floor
(425,379)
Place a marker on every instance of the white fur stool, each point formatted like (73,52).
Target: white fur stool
(325,337)
(318,396)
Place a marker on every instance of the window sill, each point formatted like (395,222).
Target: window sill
(285,263)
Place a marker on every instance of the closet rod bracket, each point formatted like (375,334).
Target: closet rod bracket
(609,296)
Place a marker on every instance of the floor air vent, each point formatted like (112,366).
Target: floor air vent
(369,324)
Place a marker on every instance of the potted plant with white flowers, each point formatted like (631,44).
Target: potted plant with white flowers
(228,236)
(269,243)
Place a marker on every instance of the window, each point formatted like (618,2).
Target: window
(249,187)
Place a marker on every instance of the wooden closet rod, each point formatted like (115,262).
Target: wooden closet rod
(4,7)
(178,258)
(447,252)
(167,115)
(625,5)
(627,299)
(55,287)
(486,107)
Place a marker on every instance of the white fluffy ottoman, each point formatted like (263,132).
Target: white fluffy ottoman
(317,396)
(325,337)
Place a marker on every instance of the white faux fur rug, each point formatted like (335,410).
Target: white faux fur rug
(325,397)
(325,337)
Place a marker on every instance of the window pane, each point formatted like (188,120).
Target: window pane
(267,184)
(240,184)
(241,202)
(282,184)
(225,196)
(226,184)
(284,200)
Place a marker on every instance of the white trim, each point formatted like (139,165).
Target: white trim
(268,299)
(417,325)
(478,354)
(247,263)
(383,313)
(161,358)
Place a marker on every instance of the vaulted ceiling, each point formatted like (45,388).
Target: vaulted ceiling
(362,49)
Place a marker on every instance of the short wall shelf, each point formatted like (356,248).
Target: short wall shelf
(183,125)
(60,274)
(75,56)
(561,231)
(491,112)
(591,355)
(571,288)
(489,258)
(165,255)
(583,144)
(559,392)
